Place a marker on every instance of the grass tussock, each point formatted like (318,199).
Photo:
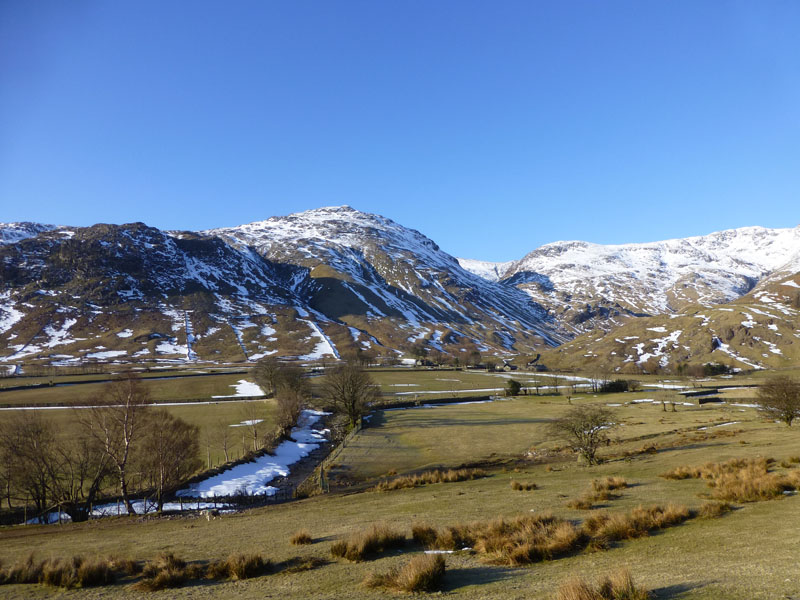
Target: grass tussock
(740,480)
(712,510)
(600,491)
(69,573)
(301,538)
(523,486)
(609,483)
(299,564)
(163,572)
(516,541)
(365,544)
(238,566)
(617,586)
(423,573)
(428,477)
(639,522)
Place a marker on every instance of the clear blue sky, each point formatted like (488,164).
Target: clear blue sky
(492,127)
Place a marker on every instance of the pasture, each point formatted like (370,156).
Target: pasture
(749,553)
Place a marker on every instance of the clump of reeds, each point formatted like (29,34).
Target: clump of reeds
(366,544)
(428,477)
(301,538)
(423,573)
(617,586)
(238,566)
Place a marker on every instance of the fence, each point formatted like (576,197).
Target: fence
(318,478)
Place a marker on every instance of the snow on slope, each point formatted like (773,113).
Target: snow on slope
(491,271)
(11,233)
(654,277)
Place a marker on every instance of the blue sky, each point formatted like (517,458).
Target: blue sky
(492,127)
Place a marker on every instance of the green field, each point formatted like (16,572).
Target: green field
(750,553)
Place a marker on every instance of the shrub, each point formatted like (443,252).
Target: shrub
(302,537)
(423,573)
(363,545)
(525,486)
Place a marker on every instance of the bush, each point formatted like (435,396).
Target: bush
(366,544)
(301,538)
(424,573)
(615,386)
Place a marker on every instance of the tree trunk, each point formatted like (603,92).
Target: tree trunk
(123,486)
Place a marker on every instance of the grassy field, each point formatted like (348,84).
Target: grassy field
(750,553)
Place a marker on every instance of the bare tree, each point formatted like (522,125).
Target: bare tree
(779,398)
(293,392)
(265,372)
(114,422)
(169,452)
(252,414)
(27,443)
(350,390)
(222,435)
(586,428)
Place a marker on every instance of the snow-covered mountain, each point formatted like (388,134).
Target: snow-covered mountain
(335,281)
(320,283)
(587,285)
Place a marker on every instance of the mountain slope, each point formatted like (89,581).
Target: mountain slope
(311,285)
(587,286)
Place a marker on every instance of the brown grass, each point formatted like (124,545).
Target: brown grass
(238,566)
(301,538)
(609,483)
(298,564)
(428,477)
(517,541)
(605,527)
(523,486)
(423,573)
(366,544)
(711,510)
(617,586)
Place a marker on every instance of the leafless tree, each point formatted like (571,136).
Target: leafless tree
(265,372)
(779,398)
(350,390)
(293,392)
(27,443)
(586,428)
(115,422)
(169,452)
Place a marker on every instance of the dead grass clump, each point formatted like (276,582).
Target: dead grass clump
(298,564)
(238,566)
(28,571)
(606,527)
(365,544)
(711,510)
(424,534)
(794,459)
(609,483)
(749,485)
(126,566)
(423,573)
(301,538)
(715,470)
(617,586)
(428,477)
(168,578)
(523,486)
(581,503)
(166,561)
(517,541)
